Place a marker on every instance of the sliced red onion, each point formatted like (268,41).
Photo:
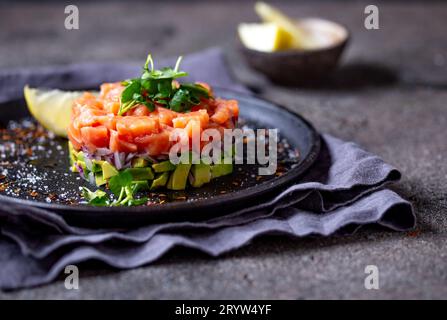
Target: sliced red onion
(122,157)
(91,178)
(109,158)
(130,156)
(120,160)
(87,153)
(80,170)
(88,163)
(151,159)
(103,151)
(117,160)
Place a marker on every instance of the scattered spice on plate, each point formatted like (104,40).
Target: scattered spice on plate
(33,193)
(52,196)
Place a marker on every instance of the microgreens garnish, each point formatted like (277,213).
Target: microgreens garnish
(122,187)
(97,198)
(156,87)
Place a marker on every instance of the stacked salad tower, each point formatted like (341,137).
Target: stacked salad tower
(121,137)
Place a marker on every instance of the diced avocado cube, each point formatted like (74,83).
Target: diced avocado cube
(160,180)
(141,173)
(200,174)
(80,156)
(178,178)
(97,165)
(139,163)
(163,166)
(81,164)
(108,170)
(72,153)
(221,169)
(99,179)
(142,185)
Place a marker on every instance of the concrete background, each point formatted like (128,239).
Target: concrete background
(389,95)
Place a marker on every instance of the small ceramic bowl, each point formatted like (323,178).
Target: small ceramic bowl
(295,67)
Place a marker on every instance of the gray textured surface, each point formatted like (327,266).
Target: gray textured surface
(390,97)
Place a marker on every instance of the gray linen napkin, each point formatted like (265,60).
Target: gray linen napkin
(346,187)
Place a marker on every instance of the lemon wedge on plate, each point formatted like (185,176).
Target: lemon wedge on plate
(51,107)
(265,37)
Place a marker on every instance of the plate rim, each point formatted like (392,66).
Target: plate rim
(245,194)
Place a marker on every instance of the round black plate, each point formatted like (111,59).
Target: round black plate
(50,182)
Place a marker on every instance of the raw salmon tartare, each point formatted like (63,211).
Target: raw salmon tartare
(96,124)
(120,137)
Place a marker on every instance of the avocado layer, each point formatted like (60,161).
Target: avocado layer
(221,169)
(179,177)
(82,165)
(99,179)
(139,163)
(72,153)
(80,156)
(108,170)
(97,165)
(173,177)
(141,173)
(163,166)
(200,174)
(160,180)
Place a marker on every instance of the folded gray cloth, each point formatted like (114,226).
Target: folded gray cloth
(346,187)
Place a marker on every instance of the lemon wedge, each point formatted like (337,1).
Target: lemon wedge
(265,37)
(51,107)
(300,38)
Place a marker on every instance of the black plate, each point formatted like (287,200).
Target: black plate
(39,175)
